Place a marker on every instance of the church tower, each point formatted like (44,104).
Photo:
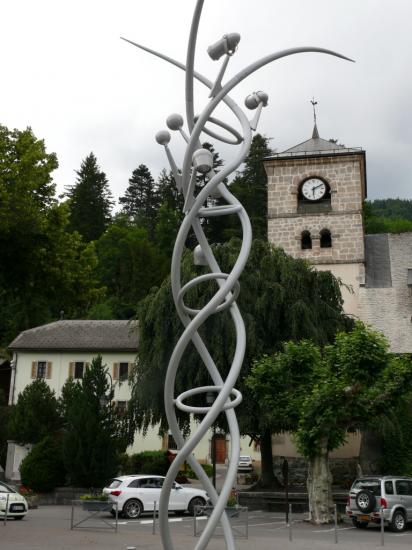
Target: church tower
(315,196)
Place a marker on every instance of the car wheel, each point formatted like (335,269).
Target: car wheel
(18,517)
(365,501)
(197,501)
(132,509)
(398,523)
(359,524)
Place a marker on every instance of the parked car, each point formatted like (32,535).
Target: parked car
(245,464)
(371,496)
(136,494)
(16,503)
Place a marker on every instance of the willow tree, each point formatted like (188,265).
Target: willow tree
(321,394)
(281,299)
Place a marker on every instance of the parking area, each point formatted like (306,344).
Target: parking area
(48,528)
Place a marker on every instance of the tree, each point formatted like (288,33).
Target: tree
(141,200)
(387,216)
(4,428)
(281,298)
(42,469)
(343,387)
(35,415)
(169,215)
(90,200)
(93,432)
(128,265)
(250,188)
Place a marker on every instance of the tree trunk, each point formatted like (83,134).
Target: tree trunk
(319,486)
(268,477)
(370,453)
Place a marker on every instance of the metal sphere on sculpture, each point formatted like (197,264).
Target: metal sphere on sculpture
(174,122)
(163,137)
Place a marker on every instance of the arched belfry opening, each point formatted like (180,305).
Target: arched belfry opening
(325,238)
(306,240)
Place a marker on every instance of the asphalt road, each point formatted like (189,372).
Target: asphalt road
(48,528)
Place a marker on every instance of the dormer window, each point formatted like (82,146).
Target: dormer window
(305,240)
(325,239)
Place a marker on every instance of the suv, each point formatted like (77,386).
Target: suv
(245,464)
(371,496)
(136,494)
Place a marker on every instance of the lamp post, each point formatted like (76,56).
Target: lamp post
(210,398)
(198,206)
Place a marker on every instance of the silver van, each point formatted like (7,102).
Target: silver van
(371,496)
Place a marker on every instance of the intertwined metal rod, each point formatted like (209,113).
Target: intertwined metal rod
(197,207)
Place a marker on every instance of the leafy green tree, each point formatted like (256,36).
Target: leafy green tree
(35,415)
(343,387)
(280,299)
(387,216)
(93,432)
(129,265)
(90,200)
(42,469)
(141,199)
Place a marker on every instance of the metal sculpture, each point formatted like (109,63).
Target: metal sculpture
(198,206)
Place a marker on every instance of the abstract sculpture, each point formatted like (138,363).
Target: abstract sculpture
(198,206)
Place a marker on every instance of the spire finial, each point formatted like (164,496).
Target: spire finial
(315,133)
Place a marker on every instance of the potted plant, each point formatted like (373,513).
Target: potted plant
(231,508)
(96,503)
(31,497)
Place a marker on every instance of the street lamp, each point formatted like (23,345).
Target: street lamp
(210,399)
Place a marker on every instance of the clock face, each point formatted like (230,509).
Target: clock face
(314,189)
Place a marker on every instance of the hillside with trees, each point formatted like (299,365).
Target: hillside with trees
(388,216)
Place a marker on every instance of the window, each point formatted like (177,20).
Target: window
(325,239)
(372,485)
(306,240)
(135,484)
(123,371)
(121,407)
(389,487)
(402,487)
(78,369)
(171,443)
(41,369)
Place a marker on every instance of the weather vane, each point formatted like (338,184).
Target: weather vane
(197,207)
(314,103)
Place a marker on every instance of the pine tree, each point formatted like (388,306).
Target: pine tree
(90,200)
(141,199)
(250,188)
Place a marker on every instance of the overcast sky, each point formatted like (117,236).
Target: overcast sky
(66,73)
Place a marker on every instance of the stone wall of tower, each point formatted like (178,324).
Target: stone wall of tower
(285,223)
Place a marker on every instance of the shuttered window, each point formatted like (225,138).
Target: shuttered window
(123,371)
(41,369)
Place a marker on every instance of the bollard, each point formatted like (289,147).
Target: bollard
(247,522)
(382,528)
(335,519)
(194,524)
(72,516)
(117,517)
(6,509)
(290,523)
(154,519)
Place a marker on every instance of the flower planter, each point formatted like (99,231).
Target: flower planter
(97,506)
(231,511)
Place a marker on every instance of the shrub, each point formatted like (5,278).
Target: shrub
(42,470)
(208,468)
(150,462)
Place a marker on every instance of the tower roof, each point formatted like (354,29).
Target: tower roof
(315,146)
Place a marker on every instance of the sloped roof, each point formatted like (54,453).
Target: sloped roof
(315,146)
(80,335)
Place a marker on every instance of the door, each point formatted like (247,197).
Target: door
(404,492)
(220,448)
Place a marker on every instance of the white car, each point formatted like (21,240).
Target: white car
(136,494)
(245,464)
(16,503)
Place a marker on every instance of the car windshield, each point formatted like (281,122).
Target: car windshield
(372,485)
(115,484)
(5,488)
(244,458)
